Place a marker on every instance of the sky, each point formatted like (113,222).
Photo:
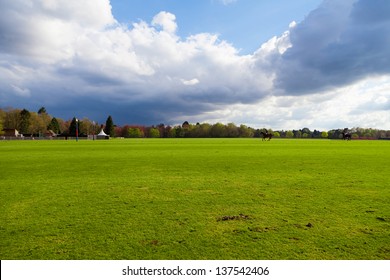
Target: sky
(280,64)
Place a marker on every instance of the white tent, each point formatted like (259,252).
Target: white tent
(102,135)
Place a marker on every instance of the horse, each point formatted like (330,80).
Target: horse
(347,136)
(266,135)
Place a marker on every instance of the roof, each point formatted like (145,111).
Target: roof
(102,133)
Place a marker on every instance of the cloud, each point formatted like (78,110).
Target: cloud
(24,92)
(364,104)
(190,82)
(47,29)
(166,20)
(339,43)
(76,54)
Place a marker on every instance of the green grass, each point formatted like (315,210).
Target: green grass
(182,199)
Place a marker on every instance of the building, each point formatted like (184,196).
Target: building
(11,132)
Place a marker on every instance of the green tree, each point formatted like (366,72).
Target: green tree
(324,134)
(134,132)
(232,130)
(289,134)
(110,129)
(245,131)
(154,133)
(24,121)
(201,130)
(218,130)
(172,133)
(54,126)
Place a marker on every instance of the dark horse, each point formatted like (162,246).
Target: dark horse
(266,135)
(347,136)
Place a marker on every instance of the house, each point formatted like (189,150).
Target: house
(50,133)
(11,132)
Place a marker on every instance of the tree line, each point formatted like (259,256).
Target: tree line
(40,122)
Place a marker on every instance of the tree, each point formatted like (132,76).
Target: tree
(232,130)
(201,130)
(42,110)
(2,118)
(39,123)
(72,127)
(12,119)
(307,131)
(110,129)
(24,121)
(2,115)
(154,133)
(172,133)
(134,132)
(88,127)
(218,130)
(245,131)
(54,126)
(324,134)
(289,134)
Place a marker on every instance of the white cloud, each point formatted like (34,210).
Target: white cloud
(364,104)
(166,20)
(191,82)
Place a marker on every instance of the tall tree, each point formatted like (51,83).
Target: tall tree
(73,126)
(110,129)
(24,121)
(54,126)
(12,119)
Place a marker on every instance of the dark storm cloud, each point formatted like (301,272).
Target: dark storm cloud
(144,112)
(337,44)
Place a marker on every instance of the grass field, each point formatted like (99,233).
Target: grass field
(195,199)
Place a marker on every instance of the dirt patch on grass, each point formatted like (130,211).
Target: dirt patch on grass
(236,217)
